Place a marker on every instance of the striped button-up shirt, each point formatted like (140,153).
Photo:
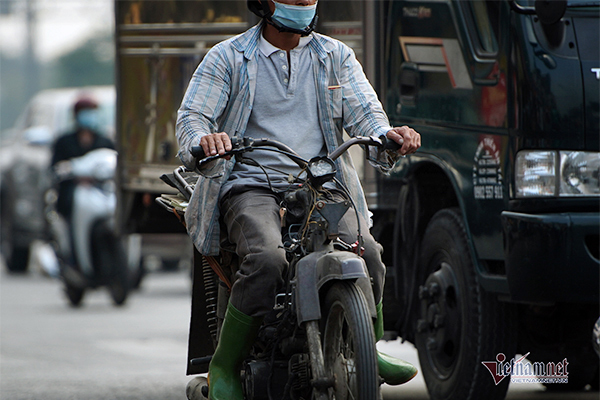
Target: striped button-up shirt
(220,96)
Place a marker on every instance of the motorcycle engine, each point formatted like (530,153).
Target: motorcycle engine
(279,380)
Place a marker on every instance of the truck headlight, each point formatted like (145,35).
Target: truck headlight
(557,173)
(579,173)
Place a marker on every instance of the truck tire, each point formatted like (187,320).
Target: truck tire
(458,325)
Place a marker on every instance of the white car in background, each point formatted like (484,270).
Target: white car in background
(25,154)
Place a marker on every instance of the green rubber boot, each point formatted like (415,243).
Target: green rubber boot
(393,370)
(238,333)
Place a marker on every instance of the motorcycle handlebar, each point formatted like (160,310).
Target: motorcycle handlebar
(240,145)
(199,154)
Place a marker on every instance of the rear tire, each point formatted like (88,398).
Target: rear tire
(458,325)
(349,343)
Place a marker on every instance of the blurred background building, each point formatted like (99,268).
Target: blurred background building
(52,44)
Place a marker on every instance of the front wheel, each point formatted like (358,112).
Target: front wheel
(74,294)
(119,282)
(459,326)
(110,262)
(349,350)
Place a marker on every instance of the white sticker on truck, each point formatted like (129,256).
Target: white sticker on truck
(487,169)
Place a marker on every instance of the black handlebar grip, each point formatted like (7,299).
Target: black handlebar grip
(389,144)
(198,152)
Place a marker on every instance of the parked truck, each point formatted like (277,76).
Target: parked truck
(491,231)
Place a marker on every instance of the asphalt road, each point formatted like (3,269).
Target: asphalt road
(51,351)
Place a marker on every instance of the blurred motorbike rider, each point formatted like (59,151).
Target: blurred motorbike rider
(75,144)
(278,80)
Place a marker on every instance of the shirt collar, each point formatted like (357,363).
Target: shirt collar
(267,48)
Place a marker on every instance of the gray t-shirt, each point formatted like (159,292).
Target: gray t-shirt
(284,109)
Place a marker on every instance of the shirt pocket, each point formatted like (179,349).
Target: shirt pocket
(335,96)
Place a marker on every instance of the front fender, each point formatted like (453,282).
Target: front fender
(316,269)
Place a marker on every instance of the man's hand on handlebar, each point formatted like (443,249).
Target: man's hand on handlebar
(220,143)
(216,143)
(408,138)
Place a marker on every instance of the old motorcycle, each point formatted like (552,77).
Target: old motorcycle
(318,341)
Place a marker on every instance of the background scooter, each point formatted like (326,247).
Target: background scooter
(91,254)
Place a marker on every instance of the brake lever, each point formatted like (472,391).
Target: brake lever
(232,152)
(238,145)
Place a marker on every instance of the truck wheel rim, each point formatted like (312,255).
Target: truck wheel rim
(439,326)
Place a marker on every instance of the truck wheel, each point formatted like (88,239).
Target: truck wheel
(459,326)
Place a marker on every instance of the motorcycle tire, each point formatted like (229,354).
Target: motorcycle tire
(119,283)
(74,294)
(349,343)
(110,263)
(458,324)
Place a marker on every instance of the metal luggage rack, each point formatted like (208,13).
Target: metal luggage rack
(184,181)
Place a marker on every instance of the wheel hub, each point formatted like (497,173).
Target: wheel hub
(341,369)
(439,325)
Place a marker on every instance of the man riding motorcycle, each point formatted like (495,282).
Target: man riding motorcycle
(84,139)
(278,80)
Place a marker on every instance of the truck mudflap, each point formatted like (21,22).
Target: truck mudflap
(552,257)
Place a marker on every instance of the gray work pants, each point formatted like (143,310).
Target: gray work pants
(253,226)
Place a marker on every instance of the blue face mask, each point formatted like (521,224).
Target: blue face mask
(295,17)
(88,119)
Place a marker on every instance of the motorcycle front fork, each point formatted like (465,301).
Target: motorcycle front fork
(321,381)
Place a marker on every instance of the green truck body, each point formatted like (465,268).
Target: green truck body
(505,96)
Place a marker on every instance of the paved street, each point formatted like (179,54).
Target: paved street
(51,351)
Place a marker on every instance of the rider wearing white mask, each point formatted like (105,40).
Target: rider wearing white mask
(86,137)
(278,80)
